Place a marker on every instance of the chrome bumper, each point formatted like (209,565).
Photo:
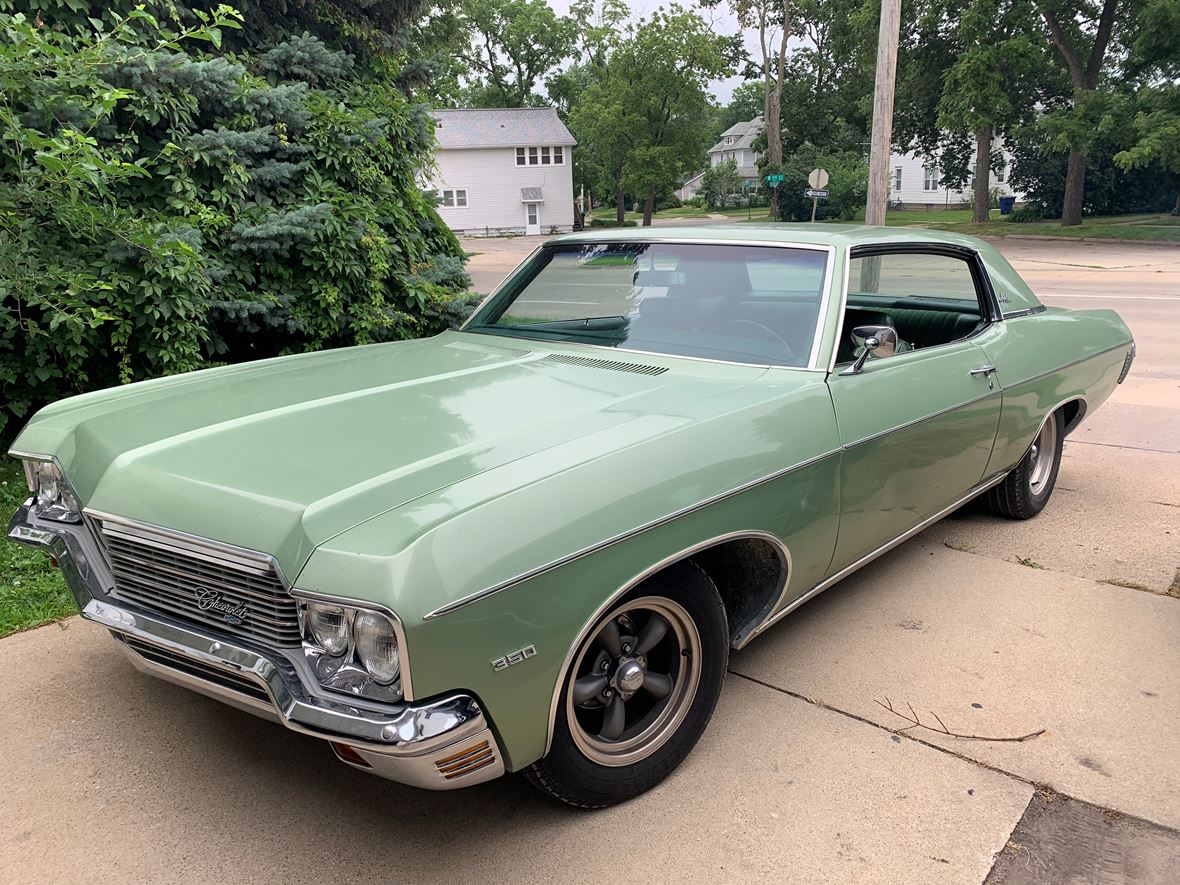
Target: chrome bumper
(439,744)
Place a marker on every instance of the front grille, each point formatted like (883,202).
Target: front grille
(173,661)
(237,592)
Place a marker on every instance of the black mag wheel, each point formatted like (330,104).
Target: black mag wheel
(639,692)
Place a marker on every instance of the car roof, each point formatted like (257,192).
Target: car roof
(839,235)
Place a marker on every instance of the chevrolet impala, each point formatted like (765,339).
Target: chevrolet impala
(532,544)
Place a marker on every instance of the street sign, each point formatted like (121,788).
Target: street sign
(774,180)
(816,193)
(818,179)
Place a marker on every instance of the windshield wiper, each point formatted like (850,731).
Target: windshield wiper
(589,324)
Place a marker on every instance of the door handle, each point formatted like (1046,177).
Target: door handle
(987,372)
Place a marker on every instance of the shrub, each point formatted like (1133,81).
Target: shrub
(610,222)
(161,208)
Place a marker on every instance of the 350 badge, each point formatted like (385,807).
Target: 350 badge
(514,658)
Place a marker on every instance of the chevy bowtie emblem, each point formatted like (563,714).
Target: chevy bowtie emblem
(211,601)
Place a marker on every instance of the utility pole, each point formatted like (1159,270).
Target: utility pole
(881,145)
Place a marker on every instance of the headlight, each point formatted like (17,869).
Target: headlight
(53,497)
(329,627)
(376,646)
(352,650)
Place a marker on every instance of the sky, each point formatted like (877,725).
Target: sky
(723,20)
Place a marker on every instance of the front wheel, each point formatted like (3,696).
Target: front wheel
(1026,490)
(639,693)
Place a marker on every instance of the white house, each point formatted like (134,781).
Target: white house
(737,144)
(504,170)
(916,183)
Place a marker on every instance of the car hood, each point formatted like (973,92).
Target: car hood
(282,455)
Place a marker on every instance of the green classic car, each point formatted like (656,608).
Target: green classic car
(533,543)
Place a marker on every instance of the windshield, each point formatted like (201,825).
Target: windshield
(747,304)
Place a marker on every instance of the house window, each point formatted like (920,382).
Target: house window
(930,178)
(520,156)
(1000,172)
(544,156)
(454,199)
(533,156)
(558,159)
(897,178)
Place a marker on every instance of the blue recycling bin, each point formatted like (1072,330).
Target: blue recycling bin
(1007,204)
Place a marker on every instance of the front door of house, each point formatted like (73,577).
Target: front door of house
(532,218)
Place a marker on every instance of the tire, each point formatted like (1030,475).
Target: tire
(1026,490)
(615,737)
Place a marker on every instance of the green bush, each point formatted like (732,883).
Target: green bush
(1031,212)
(610,222)
(165,203)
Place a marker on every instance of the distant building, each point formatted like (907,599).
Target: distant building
(916,183)
(737,144)
(504,170)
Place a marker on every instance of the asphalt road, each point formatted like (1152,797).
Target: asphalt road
(1000,628)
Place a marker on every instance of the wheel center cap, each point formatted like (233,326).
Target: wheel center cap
(629,676)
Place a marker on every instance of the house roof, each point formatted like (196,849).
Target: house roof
(500,127)
(745,133)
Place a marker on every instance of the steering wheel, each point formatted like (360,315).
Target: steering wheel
(767,333)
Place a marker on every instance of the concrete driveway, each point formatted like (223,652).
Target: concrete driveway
(1000,629)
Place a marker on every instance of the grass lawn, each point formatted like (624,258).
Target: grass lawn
(32,591)
(1115,227)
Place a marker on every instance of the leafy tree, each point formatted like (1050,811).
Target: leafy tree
(644,120)
(513,45)
(1081,31)
(719,182)
(847,186)
(772,20)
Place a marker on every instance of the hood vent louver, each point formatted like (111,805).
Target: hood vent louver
(482,346)
(595,363)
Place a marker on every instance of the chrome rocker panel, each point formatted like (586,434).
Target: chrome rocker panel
(440,744)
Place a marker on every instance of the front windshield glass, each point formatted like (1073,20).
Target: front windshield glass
(747,304)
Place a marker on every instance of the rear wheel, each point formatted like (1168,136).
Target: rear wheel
(639,693)
(1026,490)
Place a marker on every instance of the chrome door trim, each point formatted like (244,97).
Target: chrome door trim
(623,536)
(880,551)
(840,313)
(630,585)
(1068,365)
(933,415)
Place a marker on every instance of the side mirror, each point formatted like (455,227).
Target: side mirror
(875,341)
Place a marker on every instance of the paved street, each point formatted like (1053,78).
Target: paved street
(1063,624)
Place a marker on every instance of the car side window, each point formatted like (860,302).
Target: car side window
(928,298)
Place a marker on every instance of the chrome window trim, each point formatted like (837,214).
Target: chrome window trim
(1025,312)
(634,582)
(623,536)
(825,285)
(840,314)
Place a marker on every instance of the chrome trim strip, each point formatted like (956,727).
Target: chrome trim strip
(1070,365)
(635,582)
(623,536)
(880,551)
(825,296)
(242,556)
(929,417)
(496,290)
(840,315)
(398,629)
(1028,311)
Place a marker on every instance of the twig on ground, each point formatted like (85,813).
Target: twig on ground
(916,722)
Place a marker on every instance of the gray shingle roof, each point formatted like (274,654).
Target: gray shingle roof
(500,127)
(746,131)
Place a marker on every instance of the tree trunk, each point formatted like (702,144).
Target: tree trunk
(774,140)
(620,208)
(1075,187)
(649,206)
(983,174)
